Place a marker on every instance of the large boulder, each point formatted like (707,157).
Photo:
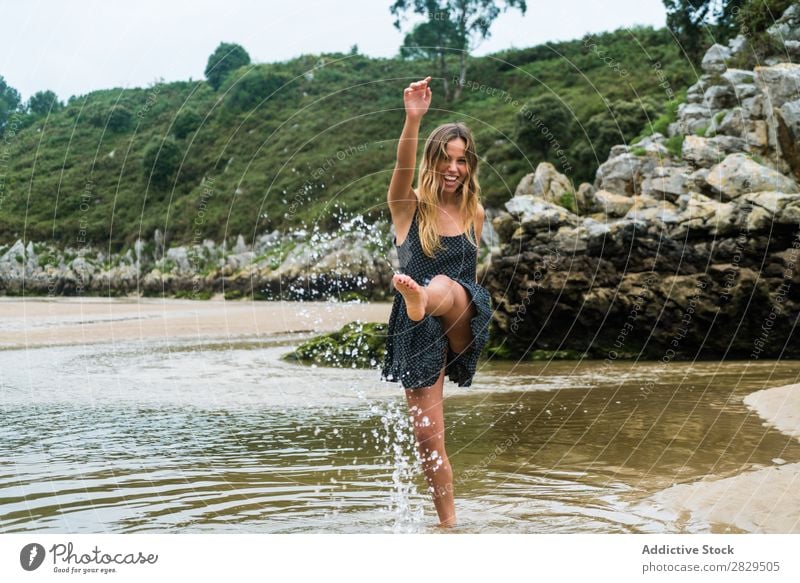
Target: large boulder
(716,59)
(536,214)
(624,174)
(739,174)
(667,182)
(781,82)
(546,182)
(692,117)
(612,205)
(705,152)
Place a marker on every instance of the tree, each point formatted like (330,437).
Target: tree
(9,103)
(433,40)
(161,161)
(44,103)
(120,119)
(470,21)
(697,24)
(541,123)
(186,122)
(226,58)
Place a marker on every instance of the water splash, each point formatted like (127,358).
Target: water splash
(396,445)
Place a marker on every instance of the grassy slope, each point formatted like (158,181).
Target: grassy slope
(345,121)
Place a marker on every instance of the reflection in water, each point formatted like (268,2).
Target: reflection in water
(225,437)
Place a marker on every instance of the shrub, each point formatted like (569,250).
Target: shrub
(675,145)
(161,161)
(255,86)
(117,118)
(185,123)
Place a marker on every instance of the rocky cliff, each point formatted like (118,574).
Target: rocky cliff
(667,256)
(352,264)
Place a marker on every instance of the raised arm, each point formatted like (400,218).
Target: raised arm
(417,99)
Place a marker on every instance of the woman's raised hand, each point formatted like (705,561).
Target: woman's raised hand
(417,98)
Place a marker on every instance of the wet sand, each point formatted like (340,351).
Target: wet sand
(756,501)
(62,321)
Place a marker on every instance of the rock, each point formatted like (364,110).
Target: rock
(738,44)
(613,205)
(697,179)
(158,239)
(138,247)
(691,118)
(666,182)
(240,247)
(694,94)
(715,59)
(356,345)
(534,213)
(697,212)
(647,209)
(786,31)
(754,106)
(780,83)
(545,183)
(719,97)
(16,250)
(738,174)
(654,144)
(784,207)
(728,123)
(705,152)
(759,219)
(688,277)
(505,225)
(618,150)
(624,174)
(266,242)
(788,134)
(756,134)
(584,198)
(181,259)
(739,77)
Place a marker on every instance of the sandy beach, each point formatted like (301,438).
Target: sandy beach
(755,501)
(62,321)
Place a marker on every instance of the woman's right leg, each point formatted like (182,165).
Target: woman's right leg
(427,408)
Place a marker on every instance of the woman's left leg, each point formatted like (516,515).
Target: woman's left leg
(427,409)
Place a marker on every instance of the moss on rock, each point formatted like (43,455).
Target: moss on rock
(355,345)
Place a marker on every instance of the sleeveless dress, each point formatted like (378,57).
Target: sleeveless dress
(416,352)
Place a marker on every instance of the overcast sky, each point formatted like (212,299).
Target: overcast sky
(77,46)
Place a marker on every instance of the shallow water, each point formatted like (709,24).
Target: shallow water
(215,436)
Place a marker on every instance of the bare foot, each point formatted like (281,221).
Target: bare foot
(414,294)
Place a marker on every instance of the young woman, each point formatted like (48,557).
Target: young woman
(440,317)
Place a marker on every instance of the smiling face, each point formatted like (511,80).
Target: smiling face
(452,168)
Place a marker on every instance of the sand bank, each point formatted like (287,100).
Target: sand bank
(758,501)
(56,321)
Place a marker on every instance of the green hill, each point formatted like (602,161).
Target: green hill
(312,141)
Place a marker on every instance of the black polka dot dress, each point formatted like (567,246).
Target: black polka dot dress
(416,352)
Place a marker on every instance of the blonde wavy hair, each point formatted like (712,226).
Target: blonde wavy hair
(431,183)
